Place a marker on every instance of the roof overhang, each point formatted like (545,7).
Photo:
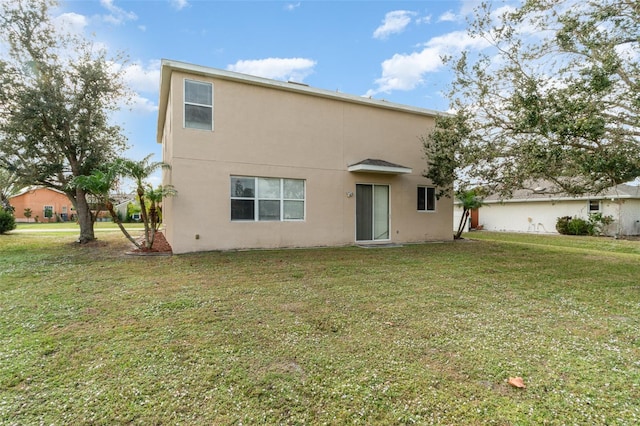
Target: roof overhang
(378,166)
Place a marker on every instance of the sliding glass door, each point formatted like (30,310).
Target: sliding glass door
(372,212)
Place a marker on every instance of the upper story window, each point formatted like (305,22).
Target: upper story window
(264,199)
(198,105)
(426,199)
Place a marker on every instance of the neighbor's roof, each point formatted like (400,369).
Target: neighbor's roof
(35,188)
(168,66)
(539,194)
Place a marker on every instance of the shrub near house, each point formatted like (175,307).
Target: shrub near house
(7,221)
(595,225)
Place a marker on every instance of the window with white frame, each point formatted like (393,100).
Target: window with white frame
(267,199)
(426,199)
(594,206)
(48,212)
(198,105)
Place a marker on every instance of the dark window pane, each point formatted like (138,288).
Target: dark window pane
(269,210)
(197,117)
(421,198)
(242,210)
(364,212)
(431,199)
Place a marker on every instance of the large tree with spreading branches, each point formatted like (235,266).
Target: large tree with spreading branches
(554,96)
(57,93)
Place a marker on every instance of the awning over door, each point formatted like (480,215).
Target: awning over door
(378,166)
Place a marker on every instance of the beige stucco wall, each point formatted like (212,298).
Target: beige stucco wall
(268,132)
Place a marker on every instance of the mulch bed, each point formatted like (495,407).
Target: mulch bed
(160,247)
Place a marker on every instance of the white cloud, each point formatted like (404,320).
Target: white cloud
(404,72)
(179,4)
(294,69)
(394,22)
(291,6)
(407,71)
(424,20)
(118,15)
(448,16)
(71,22)
(143,78)
(142,105)
(140,78)
(468,6)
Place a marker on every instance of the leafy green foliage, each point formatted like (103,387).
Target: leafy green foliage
(553,97)
(8,187)
(7,221)
(443,151)
(568,225)
(469,199)
(56,97)
(593,226)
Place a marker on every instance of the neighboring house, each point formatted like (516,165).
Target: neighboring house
(259,163)
(121,203)
(538,211)
(46,204)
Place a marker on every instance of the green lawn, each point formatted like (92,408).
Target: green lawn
(55,226)
(421,334)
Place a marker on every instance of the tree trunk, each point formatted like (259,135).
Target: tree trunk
(85,218)
(116,219)
(153,218)
(4,203)
(463,221)
(145,218)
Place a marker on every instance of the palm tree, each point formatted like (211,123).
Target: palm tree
(469,199)
(140,171)
(28,213)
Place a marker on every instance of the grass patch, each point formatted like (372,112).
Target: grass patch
(56,226)
(417,334)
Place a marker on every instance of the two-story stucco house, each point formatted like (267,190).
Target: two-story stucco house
(259,163)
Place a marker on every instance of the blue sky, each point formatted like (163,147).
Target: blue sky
(385,49)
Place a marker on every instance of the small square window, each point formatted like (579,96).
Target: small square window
(594,206)
(242,209)
(426,199)
(243,187)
